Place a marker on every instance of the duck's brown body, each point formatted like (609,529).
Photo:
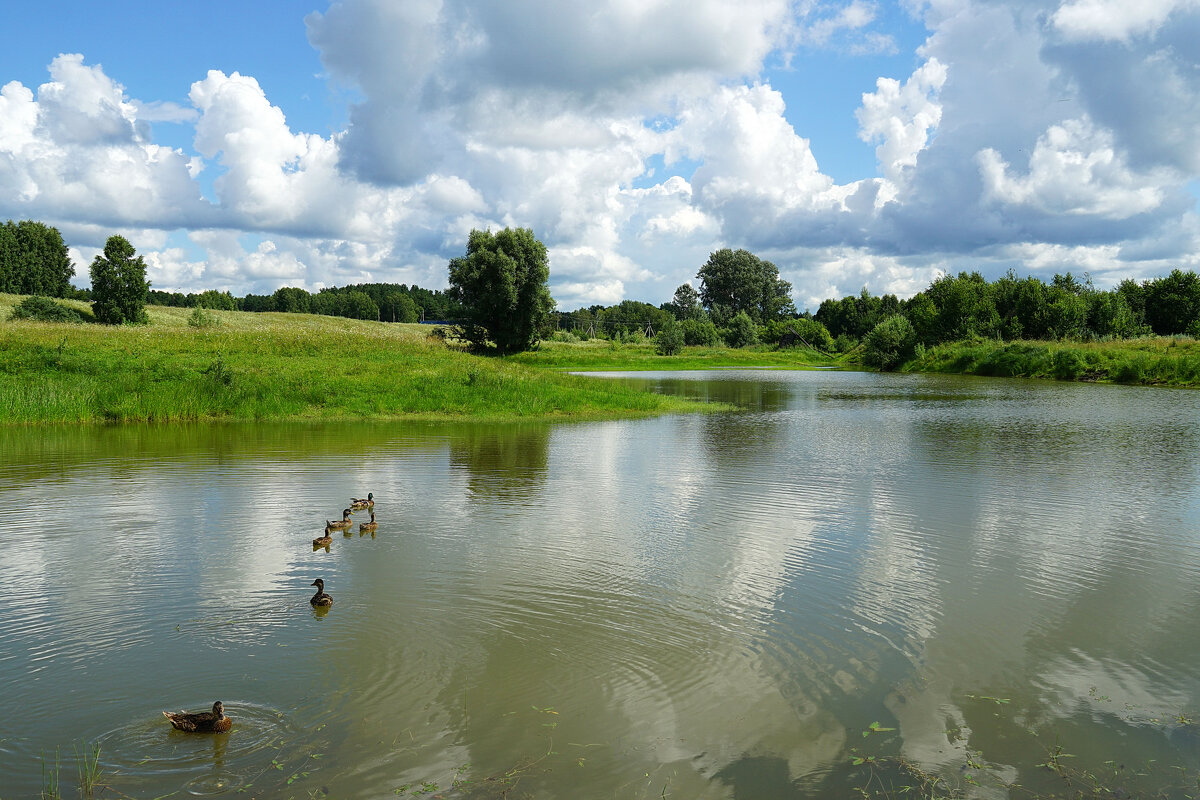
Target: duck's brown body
(323,541)
(344,522)
(213,721)
(359,503)
(320,598)
(369,526)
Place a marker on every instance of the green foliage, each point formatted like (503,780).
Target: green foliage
(669,339)
(805,332)
(1173,302)
(399,307)
(119,284)
(199,318)
(213,299)
(844,343)
(742,282)
(629,318)
(890,343)
(34,260)
(700,332)
(742,332)
(1068,365)
(686,303)
(502,286)
(43,309)
(293,300)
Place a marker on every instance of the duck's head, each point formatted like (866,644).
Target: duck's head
(218,709)
(320,584)
(345,513)
(370,496)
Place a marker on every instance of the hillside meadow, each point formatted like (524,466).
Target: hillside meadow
(273,366)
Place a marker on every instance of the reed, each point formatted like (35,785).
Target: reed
(281,366)
(598,354)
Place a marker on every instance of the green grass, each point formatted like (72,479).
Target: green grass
(597,355)
(1149,361)
(280,366)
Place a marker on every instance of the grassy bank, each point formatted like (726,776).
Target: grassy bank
(1152,361)
(599,355)
(279,366)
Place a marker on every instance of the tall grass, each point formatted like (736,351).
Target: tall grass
(600,354)
(1151,361)
(280,366)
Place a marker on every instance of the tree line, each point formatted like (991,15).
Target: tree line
(388,302)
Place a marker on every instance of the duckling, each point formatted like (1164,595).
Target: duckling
(213,721)
(323,541)
(369,526)
(320,598)
(344,522)
(358,503)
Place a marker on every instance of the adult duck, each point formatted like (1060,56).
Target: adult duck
(344,522)
(369,526)
(323,541)
(213,721)
(358,503)
(320,598)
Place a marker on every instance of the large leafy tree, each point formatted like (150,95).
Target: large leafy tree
(739,281)
(119,284)
(502,285)
(34,259)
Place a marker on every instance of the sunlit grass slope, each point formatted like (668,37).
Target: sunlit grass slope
(279,366)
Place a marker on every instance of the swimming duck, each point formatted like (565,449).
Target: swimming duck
(323,541)
(369,526)
(358,503)
(344,522)
(213,721)
(320,598)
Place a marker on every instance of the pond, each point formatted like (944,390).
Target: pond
(855,581)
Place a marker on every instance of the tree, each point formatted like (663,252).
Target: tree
(686,303)
(502,286)
(669,339)
(119,284)
(1173,302)
(741,281)
(890,343)
(742,332)
(34,260)
(293,299)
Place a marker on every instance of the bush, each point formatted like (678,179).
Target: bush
(844,343)
(44,309)
(742,332)
(203,319)
(804,332)
(700,332)
(1130,370)
(669,339)
(890,343)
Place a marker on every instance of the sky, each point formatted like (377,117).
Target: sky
(854,143)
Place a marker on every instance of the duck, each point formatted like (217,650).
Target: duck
(358,503)
(369,526)
(213,721)
(344,522)
(320,598)
(323,541)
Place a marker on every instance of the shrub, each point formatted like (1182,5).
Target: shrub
(804,332)
(742,332)
(44,309)
(844,343)
(700,332)
(203,319)
(890,343)
(1130,370)
(669,339)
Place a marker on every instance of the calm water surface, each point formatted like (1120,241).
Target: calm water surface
(692,607)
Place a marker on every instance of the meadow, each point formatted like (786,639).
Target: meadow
(274,366)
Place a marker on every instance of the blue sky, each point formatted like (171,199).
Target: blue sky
(246,146)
